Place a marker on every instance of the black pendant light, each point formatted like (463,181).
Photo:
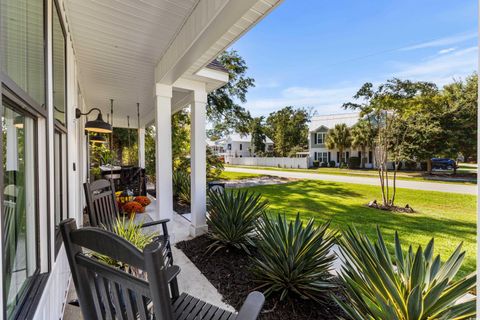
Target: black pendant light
(98,138)
(97,125)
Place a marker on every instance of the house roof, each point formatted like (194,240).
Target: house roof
(236,137)
(217,65)
(329,121)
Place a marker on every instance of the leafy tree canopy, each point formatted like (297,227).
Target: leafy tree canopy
(223,111)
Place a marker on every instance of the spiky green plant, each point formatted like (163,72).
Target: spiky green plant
(232,218)
(405,285)
(131,232)
(293,258)
(181,186)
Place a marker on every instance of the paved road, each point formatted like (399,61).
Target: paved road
(418,185)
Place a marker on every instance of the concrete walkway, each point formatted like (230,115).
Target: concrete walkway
(417,185)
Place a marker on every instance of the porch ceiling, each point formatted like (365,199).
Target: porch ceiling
(117,44)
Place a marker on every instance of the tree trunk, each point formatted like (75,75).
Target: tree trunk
(429,166)
(394,183)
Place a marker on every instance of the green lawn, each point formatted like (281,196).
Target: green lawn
(450,218)
(238,175)
(370,173)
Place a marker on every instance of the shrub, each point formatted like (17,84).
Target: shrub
(294,259)
(323,165)
(410,165)
(181,186)
(233,217)
(354,162)
(316,163)
(406,285)
(332,164)
(343,165)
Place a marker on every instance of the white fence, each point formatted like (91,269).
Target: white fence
(294,163)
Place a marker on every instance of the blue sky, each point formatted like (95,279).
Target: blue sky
(317,53)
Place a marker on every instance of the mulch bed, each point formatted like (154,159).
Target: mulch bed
(229,272)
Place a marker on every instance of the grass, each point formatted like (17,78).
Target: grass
(370,173)
(238,175)
(449,218)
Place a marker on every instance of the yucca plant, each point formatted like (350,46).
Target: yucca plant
(405,285)
(232,218)
(131,232)
(294,258)
(181,186)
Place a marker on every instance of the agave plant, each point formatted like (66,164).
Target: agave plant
(181,186)
(405,285)
(232,218)
(293,258)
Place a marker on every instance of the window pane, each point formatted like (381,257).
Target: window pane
(60,177)
(19,218)
(58,68)
(22,50)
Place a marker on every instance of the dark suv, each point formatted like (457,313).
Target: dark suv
(443,163)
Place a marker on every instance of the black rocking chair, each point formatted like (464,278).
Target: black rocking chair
(102,210)
(105,292)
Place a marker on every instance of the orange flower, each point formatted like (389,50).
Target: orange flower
(133,207)
(144,201)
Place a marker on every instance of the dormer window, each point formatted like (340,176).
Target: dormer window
(320,137)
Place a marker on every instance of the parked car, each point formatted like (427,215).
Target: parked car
(443,163)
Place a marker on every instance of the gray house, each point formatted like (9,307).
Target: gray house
(318,132)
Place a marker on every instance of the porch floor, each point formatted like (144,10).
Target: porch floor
(190,279)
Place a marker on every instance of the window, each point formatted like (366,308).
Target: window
(320,136)
(60,167)
(241,147)
(22,51)
(229,146)
(59,68)
(19,215)
(322,157)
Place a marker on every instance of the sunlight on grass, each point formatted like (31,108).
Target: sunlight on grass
(449,218)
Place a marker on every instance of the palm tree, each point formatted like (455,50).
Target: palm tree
(362,137)
(339,138)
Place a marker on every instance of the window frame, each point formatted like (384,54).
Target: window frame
(320,134)
(56,12)
(8,99)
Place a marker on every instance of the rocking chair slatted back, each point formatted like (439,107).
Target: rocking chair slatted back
(106,292)
(101,203)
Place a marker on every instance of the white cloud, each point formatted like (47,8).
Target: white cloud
(447,50)
(322,100)
(442,69)
(447,41)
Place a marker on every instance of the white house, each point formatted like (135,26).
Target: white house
(238,146)
(57,56)
(318,131)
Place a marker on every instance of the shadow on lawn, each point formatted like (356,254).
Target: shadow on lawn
(329,201)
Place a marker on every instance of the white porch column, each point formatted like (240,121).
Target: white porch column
(163,155)
(198,163)
(141,147)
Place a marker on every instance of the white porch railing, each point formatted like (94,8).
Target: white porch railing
(279,162)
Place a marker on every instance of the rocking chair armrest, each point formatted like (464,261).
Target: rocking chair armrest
(172,272)
(163,222)
(252,306)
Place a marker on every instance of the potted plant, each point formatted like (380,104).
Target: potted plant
(131,208)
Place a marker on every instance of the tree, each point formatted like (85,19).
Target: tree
(222,110)
(460,119)
(400,112)
(339,138)
(181,140)
(288,128)
(257,131)
(363,138)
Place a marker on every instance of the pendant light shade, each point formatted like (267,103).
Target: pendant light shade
(98,138)
(18,122)
(97,125)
